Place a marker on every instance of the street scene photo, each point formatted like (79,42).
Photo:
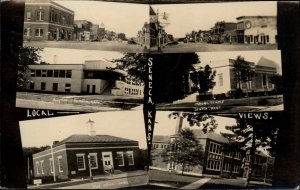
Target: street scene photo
(87,151)
(202,27)
(91,25)
(225,82)
(78,80)
(198,151)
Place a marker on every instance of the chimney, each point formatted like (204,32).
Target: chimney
(55,142)
(92,131)
(179,124)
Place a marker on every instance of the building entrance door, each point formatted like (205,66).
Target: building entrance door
(88,88)
(107,161)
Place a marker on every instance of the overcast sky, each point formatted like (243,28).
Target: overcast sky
(126,124)
(76,56)
(166,126)
(184,18)
(127,18)
(212,58)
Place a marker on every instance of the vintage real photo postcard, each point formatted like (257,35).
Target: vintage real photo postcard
(87,151)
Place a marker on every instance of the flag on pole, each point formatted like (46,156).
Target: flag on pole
(153,15)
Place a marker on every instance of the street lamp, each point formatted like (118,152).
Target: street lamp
(90,169)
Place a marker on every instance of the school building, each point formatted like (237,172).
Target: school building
(92,77)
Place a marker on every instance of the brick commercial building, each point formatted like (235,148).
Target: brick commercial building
(92,77)
(85,155)
(47,20)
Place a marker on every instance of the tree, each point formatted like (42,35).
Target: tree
(243,72)
(27,56)
(203,79)
(251,134)
(185,150)
(277,81)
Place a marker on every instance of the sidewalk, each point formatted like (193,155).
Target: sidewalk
(95,179)
(196,184)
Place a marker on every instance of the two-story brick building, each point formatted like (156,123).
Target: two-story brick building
(47,20)
(85,155)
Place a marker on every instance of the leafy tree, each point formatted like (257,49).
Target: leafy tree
(203,79)
(185,150)
(27,56)
(251,134)
(277,81)
(243,72)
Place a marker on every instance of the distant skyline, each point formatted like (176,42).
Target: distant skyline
(125,18)
(125,124)
(184,18)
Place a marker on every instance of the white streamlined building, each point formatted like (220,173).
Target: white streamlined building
(92,77)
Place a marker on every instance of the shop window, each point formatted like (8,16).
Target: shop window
(60,164)
(120,158)
(55,87)
(80,161)
(39,32)
(67,87)
(93,161)
(130,158)
(43,86)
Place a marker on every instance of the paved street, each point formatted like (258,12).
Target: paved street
(87,45)
(86,103)
(204,47)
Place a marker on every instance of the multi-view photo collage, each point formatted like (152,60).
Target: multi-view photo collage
(128,95)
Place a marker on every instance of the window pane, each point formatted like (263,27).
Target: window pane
(130,157)
(120,159)
(69,74)
(80,162)
(50,73)
(62,73)
(43,86)
(56,73)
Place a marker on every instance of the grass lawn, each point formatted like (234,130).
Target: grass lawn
(172,179)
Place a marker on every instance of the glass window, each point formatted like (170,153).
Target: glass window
(67,87)
(37,164)
(38,73)
(120,158)
(130,157)
(40,14)
(80,162)
(49,73)
(93,161)
(43,86)
(56,73)
(39,32)
(62,74)
(69,74)
(32,73)
(51,165)
(44,73)
(55,87)
(42,166)
(60,164)
(28,15)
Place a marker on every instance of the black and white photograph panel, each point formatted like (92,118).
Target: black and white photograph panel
(85,25)
(78,80)
(87,151)
(202,27)
(228,82)
(199,151)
